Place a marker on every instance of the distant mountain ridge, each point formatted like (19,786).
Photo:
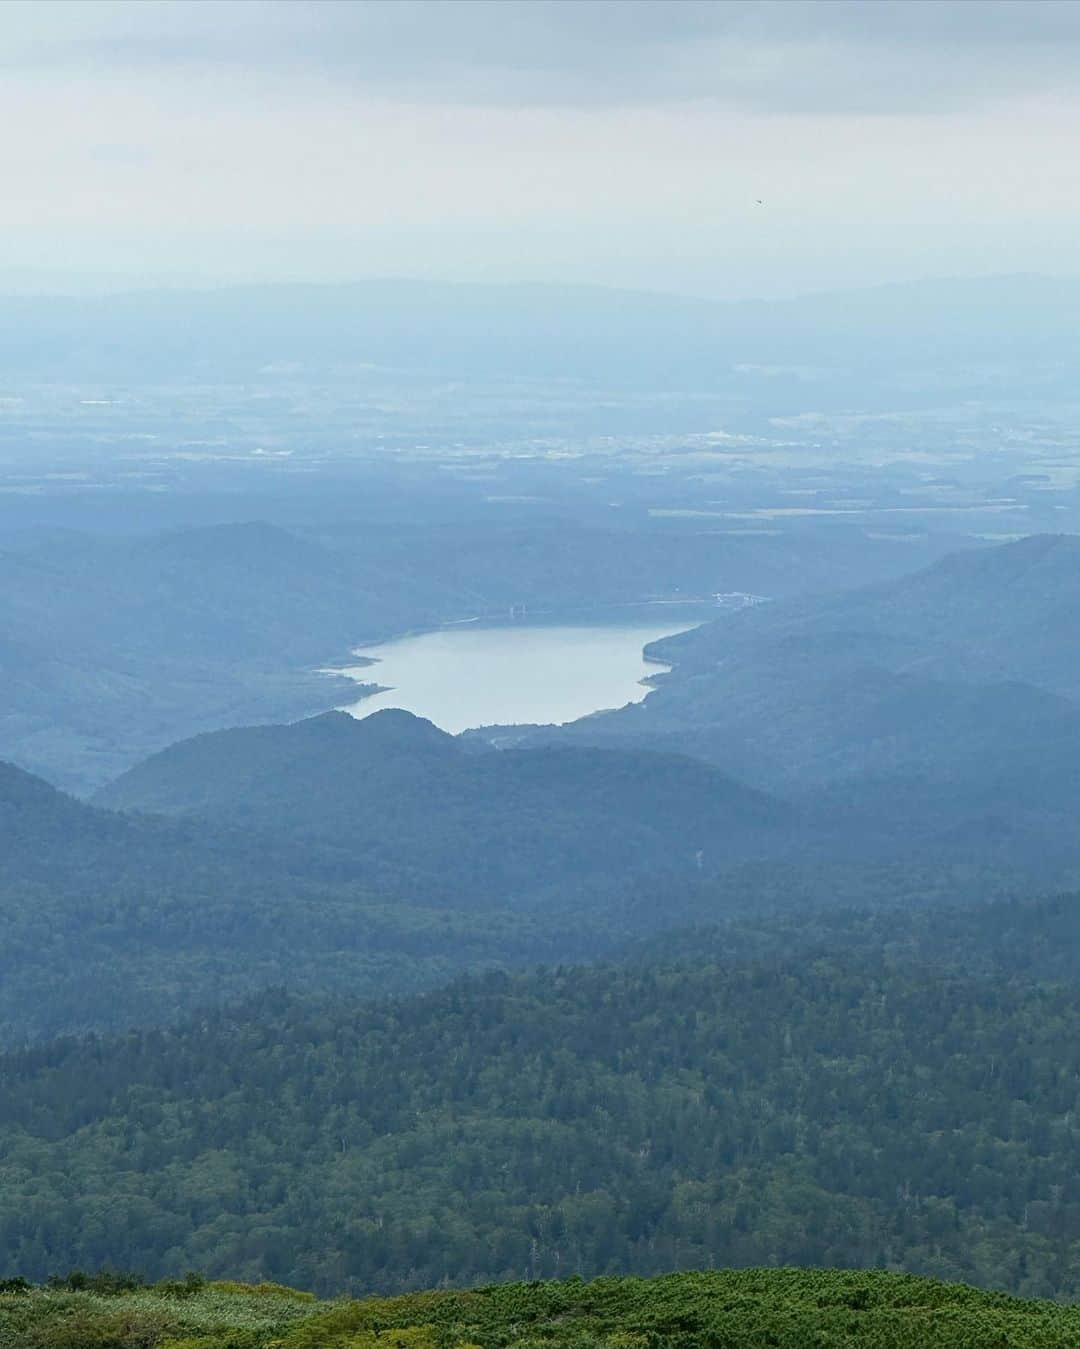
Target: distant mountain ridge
(1005,612)
(552,330)
(942,706)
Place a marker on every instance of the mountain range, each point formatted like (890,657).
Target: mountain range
(944,704)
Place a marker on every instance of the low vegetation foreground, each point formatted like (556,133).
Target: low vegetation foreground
(783,1307)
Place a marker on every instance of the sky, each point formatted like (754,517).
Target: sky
(721,149)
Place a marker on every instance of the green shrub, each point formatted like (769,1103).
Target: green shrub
(188,1286)
(262,1290)
(84,1329)
(108,1281)
(225,1339)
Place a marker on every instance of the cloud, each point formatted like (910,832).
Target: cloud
(622,141)
(784,56)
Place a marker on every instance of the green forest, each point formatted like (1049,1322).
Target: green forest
(847,1105)
(782,1309)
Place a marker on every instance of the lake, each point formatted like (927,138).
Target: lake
(467,675)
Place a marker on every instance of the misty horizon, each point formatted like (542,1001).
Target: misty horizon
(30,282)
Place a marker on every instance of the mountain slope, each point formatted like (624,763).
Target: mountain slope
(115,642)
(934,705)
(111,920)
(392,800)
(335,854)
(1004,613)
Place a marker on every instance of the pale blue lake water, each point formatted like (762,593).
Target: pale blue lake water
(466,675)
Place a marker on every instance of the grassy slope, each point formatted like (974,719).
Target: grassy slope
(786,1308)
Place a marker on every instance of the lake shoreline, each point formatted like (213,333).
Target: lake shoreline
(464,675)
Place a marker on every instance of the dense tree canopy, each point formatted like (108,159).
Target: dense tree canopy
(828,1109)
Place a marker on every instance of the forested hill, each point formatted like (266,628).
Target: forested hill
(111,920)
(383,855)
(395,802)
(748,1309)
(987,614)
(369,856)
(857,1108)
(55,848)
(944,704)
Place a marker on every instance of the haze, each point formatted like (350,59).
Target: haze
(723,149)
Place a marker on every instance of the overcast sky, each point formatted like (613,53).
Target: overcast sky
(729,149)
